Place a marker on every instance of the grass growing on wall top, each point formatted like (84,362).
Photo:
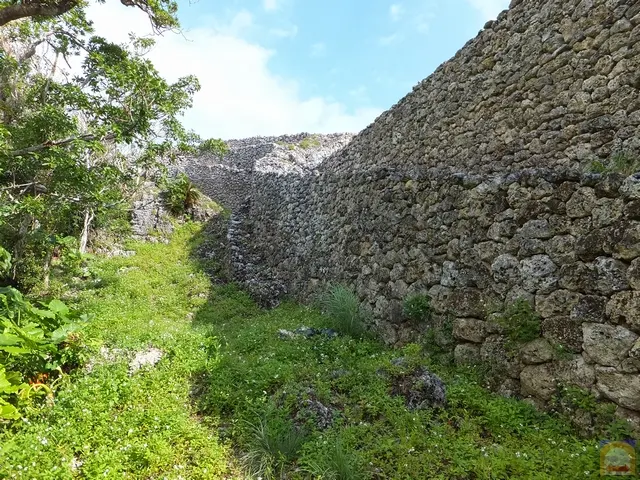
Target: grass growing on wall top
(231,394)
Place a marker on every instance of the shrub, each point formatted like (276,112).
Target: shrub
(181,195)
(418,308)
(521,322)
(36,345)
(342,305)
(214,146)
(272,446)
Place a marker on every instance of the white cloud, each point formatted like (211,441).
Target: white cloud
(395,11)
(389,39)
(318,49)
(284,32)
(270,5)
(240,95)
(489,9)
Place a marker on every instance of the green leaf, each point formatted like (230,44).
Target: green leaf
(9,339)
(43,313)
(58,307)
(8,412)
(15,350)
(62,334)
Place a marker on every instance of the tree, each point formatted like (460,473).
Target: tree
(62,138)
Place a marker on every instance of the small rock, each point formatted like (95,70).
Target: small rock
(286,334)
(421,389)
(147,358)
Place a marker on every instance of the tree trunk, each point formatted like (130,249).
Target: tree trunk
(47,269)
(84,237)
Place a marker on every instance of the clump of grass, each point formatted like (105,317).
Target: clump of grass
(345,310)
(340,464)
(621,162)
(417,307)
(272,447)
(521,323)
(181,195)
(309,142)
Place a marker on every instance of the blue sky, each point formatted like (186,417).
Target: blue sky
(284,66)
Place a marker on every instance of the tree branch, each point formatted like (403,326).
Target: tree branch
(39,8)
(55,8)
(61,143)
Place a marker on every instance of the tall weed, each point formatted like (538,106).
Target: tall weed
(345,310)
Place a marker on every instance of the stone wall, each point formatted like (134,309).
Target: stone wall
(471,190)
(227,179)
(550,83)
(566,242)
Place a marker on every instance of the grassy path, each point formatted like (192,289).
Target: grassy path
(230,387)
(108,424)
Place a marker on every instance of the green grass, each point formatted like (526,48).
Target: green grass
(230,389)
(120,426)
(309,142)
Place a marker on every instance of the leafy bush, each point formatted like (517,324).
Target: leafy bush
(181,195)
(418,308)
(273,445)
(344,308)
(35,343)
(521,322)
(214,146)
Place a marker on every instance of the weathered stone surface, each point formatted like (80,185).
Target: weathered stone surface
(589,308)
(536,351)
(470,329)
(493,351)
(149,213)
(563,331)
(623,389)
(506,269)
(611,275)
(607,345)
(538,381)
(467,302)
(558,302)
(607,211)
(537,274)
(625,307)
(575,371)
(467,354)
(628,245)
(633,274)
(581,203)
(561,249)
